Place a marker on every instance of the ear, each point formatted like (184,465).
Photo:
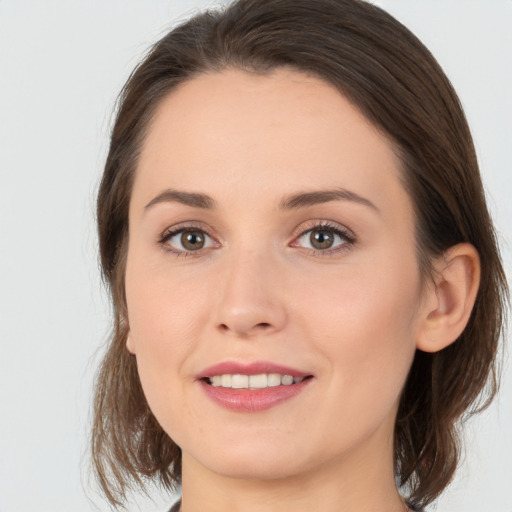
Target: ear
(450,299)
(130,345)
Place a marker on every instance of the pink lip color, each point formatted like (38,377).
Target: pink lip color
(251,400)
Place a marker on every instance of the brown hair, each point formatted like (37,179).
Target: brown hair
(385,71)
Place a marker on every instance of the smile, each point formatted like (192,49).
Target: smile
(260,381)
(252,387)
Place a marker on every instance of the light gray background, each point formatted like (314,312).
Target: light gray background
(61,65)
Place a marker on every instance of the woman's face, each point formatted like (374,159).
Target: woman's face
(270,235)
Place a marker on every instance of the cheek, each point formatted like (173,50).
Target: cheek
(163,331)
(164,325)
(365,324)
(169,309)
(163,311)
(349,303)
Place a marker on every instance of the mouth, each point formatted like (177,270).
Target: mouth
(259,381)
(252,387)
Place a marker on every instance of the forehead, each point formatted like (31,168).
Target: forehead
(259,136)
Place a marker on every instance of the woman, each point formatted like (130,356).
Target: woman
(307,290)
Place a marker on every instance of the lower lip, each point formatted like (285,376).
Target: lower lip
(252,400)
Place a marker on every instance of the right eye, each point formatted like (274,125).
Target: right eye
(186,240)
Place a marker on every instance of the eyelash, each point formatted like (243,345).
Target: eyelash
(347,237)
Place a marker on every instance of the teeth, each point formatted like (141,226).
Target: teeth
(225,381)
(240,381)
(258,381)
(274,379)
(287,380)
(261,381)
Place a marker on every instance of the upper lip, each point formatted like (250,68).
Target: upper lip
(251,368)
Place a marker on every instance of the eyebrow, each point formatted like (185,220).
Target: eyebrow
(193,199)
(295,201)
(305,199)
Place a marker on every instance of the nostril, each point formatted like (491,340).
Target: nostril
(245,329)
(224,327)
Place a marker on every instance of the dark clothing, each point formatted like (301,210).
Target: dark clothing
(176,507)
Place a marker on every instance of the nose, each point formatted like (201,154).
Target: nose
(251,300)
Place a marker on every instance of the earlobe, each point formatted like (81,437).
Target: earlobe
(451,298)
(130,345)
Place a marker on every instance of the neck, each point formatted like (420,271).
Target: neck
(362,481)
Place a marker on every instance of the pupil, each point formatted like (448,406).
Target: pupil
(321,239)
(192,240)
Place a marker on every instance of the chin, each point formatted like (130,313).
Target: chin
(262,469)
(252,462)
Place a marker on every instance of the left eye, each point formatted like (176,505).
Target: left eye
(188,240)
(323,238)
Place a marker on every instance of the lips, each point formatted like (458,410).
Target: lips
(252,387)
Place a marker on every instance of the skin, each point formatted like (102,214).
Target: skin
(351,315)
